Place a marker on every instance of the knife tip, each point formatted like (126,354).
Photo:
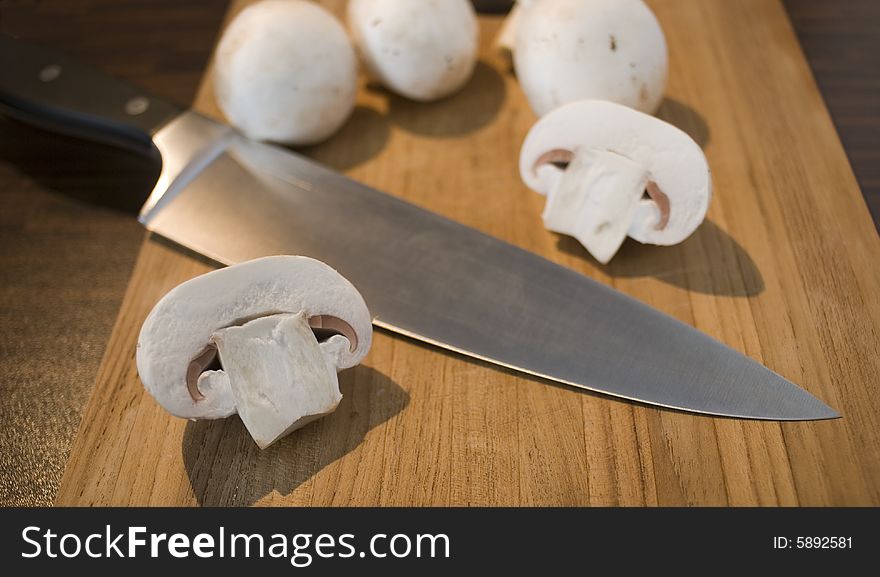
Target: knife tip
(818,411)
(791,402)
(825,412)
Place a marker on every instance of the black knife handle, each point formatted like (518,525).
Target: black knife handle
(42,87)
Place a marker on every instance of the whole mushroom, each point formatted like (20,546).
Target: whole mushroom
(286,71)
(263,339)
(569,50)
(423,50)
(610,172)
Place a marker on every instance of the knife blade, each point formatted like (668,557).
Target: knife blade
(422,275)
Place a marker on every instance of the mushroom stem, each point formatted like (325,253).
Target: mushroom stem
(506,38)
(280,376)
(594,199)
(323,326)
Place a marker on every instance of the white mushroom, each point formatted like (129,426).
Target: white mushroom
(263,339)
(423,50)
(286,71)
(610,172)
(569,50)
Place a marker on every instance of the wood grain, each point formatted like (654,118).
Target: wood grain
(783,271)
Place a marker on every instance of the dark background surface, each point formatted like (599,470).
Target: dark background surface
(68,238)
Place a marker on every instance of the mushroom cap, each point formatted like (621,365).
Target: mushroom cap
(675,163)
(182,323)
(286,71)
(420,50)
(569,50)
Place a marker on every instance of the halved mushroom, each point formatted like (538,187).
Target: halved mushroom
(569,50)
(421,50)
(610,172)
(263,339)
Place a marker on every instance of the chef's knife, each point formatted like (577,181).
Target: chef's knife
(422,275)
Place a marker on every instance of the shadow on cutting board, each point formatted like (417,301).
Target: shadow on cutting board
(710,261)
(362,137)
(226,468)
(473,107)
(685,118)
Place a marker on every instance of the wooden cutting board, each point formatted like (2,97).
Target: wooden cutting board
(784,270)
